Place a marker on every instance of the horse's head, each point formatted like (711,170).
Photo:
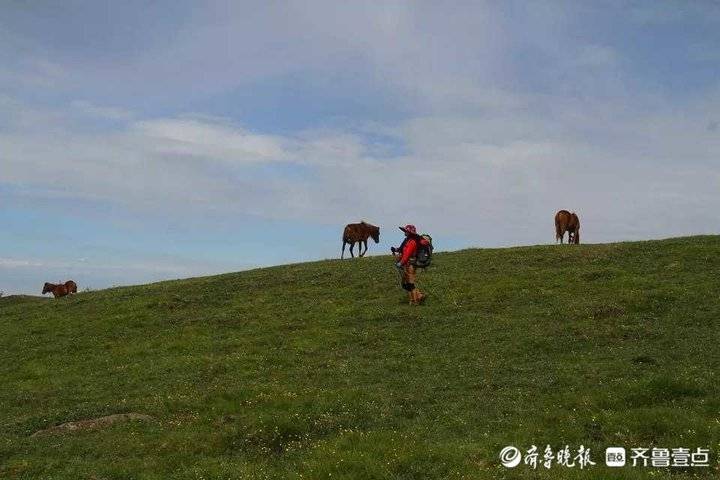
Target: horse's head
(375,234)
(47,288)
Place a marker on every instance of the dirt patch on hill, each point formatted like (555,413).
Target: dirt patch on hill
(91,424)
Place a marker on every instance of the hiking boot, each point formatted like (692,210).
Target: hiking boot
(416,297)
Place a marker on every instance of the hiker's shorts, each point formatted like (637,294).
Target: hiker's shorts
(408,274)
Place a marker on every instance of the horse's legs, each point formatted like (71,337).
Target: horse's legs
(558,235)
(352,245)
(360,247)
(342,255)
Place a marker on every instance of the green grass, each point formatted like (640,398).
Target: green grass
(321,370)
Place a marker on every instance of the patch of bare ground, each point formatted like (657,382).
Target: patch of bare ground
(91,424)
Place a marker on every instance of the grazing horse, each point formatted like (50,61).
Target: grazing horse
(567,222)
(359,232)
(59,290)
(71,286)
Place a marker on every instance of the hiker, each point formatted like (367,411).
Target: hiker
(405,256)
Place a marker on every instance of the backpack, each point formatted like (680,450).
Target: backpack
(423,256)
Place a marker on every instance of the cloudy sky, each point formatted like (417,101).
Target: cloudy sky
(150,140)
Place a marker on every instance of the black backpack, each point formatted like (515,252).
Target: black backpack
(423,256)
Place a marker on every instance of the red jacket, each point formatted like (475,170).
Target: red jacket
(409,248)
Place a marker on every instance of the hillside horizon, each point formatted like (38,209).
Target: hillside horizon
(371,253)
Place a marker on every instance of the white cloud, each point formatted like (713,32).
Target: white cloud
(166,268)
(596,56)
(15,263)
(110,113)
(210,140)
(662,12)
(35,72)
(465,175)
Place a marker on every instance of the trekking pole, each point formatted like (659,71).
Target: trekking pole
(400,274)
(398,270)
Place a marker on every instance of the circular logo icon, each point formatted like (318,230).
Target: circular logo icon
(510,457)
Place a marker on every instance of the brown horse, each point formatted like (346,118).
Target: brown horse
(567,222)
(359,232)
(71,286)
(58,290)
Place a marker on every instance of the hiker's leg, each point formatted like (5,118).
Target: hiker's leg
(409,273)
(410,288)
(403,281)
(417,295)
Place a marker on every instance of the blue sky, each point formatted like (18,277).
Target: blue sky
(142,141)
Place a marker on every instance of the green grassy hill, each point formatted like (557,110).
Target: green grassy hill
(321,370)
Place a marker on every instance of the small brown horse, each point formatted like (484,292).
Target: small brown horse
(359,232)
(60,289)
(567,222)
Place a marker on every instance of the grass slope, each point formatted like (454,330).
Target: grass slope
(321,370)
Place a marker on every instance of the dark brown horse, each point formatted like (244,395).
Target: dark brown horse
(567,222)
(58,290)
(359,233)
(71,286)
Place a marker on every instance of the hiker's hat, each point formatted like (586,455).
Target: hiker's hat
(409,229)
